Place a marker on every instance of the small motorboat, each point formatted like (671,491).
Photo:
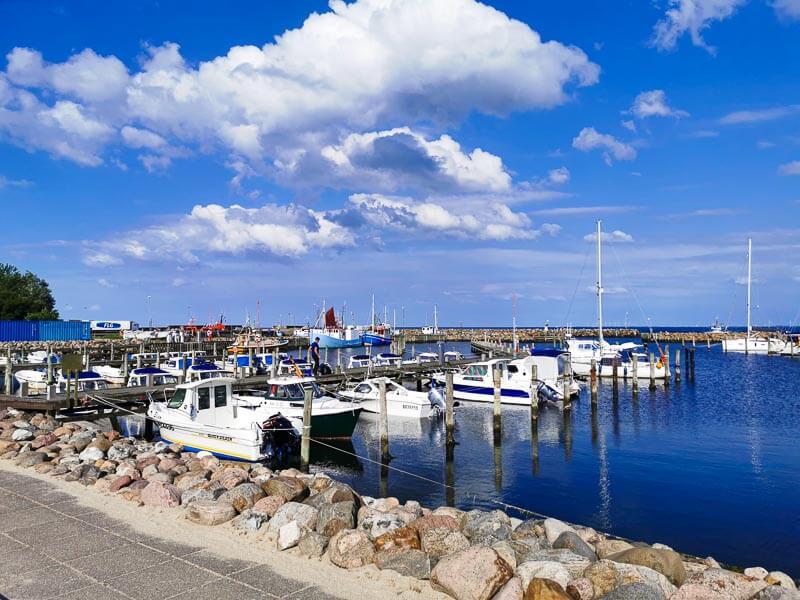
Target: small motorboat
(39,357)
(35,379)
(111,374)
(295,367)
(87,381)
(330,417)
(388,359)
(453,355)
(359,361)
(400,402)
(150,376)
(204,415)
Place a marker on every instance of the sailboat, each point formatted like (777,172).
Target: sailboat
(748,343)
(379,334)
(428,330)
(334,335)
(584,351)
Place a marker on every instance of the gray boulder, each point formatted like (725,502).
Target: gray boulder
(569,540)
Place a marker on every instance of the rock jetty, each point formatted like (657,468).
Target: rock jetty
(468,555)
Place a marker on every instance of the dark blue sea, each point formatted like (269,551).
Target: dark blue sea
(709,467)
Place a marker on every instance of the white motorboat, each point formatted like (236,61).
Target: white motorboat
(553,370)
(453,355)
(400,402)
(475,383)
(113,375)
(39,357)
(150,376)
(388,359)
(716,327)
(204,415)
(35,379)
(434,329)
(359,361)
(791,347)
(749,344)
(87,381)
(330,417)
(295,367)
(427,357)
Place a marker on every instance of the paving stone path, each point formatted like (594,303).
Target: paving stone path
(53,547)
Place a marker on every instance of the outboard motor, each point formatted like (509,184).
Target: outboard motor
(546,392)
(436,399)
(325,369)
(279,438)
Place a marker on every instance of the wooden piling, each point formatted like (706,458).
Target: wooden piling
(497,380)
(449,417)
(273,368)
(8,371)
(678,365)
(593,381)
(534,391)
(635,376)
(615,373)
(665,362)
(251,366)
(384,420)
(125,367)
(49,364)
(305,440)
(652,372)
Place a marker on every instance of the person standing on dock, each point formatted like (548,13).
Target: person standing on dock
(314,353)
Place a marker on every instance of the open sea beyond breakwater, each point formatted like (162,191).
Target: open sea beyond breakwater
(710,467)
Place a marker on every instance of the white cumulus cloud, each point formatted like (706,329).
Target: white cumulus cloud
(654,104)
(790,168)
(559,176)
(360,67)
(787,9)
(692,17)
(590,139)
(615,236)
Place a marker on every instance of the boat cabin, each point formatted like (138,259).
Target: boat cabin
(388,359)
(207,401)
(150,376)
(290,366)
(87,381)
(359,361)
(452,355)
(202,371)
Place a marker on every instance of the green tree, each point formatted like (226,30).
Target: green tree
(24,295)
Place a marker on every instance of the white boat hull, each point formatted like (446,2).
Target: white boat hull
(746,345)
(227,444)
(110,374)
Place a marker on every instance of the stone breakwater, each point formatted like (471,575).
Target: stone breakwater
(468,555)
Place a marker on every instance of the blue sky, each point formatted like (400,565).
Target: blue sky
(447,152)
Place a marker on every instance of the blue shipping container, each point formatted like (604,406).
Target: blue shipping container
(64,331)
(44,331)
(19,331)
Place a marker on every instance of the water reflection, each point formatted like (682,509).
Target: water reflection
(688,461)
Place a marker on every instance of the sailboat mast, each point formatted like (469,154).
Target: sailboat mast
(599,283)
(372,319)
(749,280)
(435,318)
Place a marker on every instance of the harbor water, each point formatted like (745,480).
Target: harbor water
(709,467)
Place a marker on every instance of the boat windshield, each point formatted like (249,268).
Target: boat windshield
(479,370)
(177,398)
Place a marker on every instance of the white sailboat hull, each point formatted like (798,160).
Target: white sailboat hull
(747,345)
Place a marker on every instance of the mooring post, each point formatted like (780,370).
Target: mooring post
(593,380)
(384,417)
(665,362)
(634,375)
(652,372)
(139,361)
(236,363)
(8,371)
(273,368)
(449,417)
(111,356)
(185,368)
(419,382)
(678,365)
(250,362)
(534,391)
(125,367)
(615,372)
(49,365)
(497,379)
(148,429)
(305,440)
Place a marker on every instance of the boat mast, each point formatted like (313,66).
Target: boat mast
(514,321)
(749,280)
(599,283)
(372,318)
(435,318)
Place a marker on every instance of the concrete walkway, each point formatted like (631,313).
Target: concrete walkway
(52,547)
